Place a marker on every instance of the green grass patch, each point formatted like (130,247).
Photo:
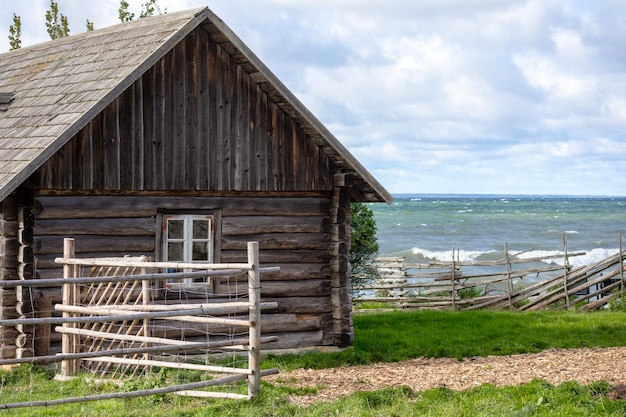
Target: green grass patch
(397,336)
(536,398)
(391,336)
(374,305)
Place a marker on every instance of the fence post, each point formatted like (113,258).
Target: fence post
(68,341)
(254,293)
(146,300)
(508,275)
(453,278)
(621,266)
(565,271)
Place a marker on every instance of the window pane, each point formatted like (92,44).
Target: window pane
(188,238)
(200,229)
(175,229)
(175,251)
(200,251)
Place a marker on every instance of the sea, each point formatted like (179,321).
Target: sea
(427,227)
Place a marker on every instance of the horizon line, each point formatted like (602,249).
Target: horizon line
(509,195)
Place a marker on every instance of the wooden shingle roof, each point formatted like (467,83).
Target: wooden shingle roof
(52,90)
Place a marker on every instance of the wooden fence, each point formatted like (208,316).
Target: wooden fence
(512,283)
(108,315)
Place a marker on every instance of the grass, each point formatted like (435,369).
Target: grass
(389,336)
(374,305)
(536,398)
(396,336)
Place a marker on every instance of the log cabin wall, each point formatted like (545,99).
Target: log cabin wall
(292,233)
(341,274)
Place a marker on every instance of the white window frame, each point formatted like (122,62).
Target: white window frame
(188,241)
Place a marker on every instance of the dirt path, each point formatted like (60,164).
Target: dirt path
(555,366)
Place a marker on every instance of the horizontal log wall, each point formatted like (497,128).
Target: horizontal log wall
(194,121)
(293,233)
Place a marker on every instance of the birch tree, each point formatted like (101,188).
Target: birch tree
(56,24)
(15,33)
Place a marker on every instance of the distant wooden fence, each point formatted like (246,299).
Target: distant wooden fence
(108,316)
(446,285)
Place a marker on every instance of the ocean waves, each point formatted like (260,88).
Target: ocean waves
(425,228)
(418,255)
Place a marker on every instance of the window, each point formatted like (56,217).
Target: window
(188,238)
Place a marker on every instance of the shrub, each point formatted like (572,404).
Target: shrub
(364,246)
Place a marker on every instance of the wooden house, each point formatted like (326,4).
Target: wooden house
(115,135)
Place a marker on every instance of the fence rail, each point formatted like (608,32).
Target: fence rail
(107,320)
(499,285)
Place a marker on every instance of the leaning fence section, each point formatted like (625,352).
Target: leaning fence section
(514,282)
(116,324)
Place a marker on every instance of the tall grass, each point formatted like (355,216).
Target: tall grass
(390,336)
(396,336)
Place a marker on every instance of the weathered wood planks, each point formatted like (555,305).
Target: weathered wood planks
(194,121)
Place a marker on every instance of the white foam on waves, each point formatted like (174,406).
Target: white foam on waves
(446,255)
(590,257)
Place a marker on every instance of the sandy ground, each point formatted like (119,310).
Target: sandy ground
(555,366)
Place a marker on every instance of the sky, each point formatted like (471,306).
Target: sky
(435,96)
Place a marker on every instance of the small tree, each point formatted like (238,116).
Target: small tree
(89,25)
(124,14)
(15,33)
(149,8)
(364,248)
(56,25)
